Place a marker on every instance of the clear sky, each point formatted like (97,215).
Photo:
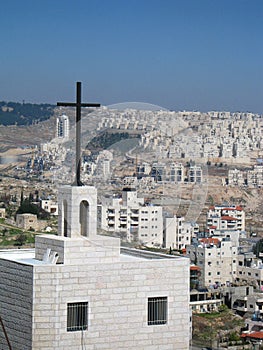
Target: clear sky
(179,54)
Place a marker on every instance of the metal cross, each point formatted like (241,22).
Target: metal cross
(78,106)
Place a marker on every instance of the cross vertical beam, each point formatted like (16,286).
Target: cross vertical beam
(78,105)
(78,134)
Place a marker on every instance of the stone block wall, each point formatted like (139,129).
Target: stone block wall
(117,294)
(16,293)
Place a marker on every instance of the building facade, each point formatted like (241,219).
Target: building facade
(226,218)
(133,218)
(177,233)
(79,289)
(62,126)
(217,260)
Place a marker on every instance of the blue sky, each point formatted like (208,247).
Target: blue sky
(187,54)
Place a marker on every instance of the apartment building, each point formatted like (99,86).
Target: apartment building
(226,217)
(178,233)
(235,177)
(134,219)
(217,260)
(62,126)
(195,174)
(250,270)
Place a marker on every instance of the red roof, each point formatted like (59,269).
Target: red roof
(238,208)
(256,335)
(228,218)
(194,268)
(209,240)
(212,227)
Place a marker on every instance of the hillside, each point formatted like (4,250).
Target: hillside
(14,113)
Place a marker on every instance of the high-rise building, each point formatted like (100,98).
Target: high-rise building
(62,129)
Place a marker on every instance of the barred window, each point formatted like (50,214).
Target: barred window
(157,310)
(77,316)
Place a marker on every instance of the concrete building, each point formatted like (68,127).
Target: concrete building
(133,218)
(176,173)
(80,290)
(255,176)
(250,270)
(50,206)
(217,260)
(2,213)
(177,233)
(27,221)
(226,217)
(62,126)
(195,174)
(235,177)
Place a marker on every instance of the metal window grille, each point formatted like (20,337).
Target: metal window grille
(157,310)
(77,316)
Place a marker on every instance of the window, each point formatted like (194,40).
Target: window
(77,316)
(157,311)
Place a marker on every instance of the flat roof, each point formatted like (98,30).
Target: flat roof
(23,256)
(27,256)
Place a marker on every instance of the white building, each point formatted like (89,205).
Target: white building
(2,213)
(217,260)
(195,174)
(235,177)
(79,290)
(250,270)
(176,173)
(133,218)
(177,233)
(50,206)
(255,176)
(226,218)
(62,126)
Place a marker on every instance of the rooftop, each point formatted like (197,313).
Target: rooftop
(27,256)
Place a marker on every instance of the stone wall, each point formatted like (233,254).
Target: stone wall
(117,294)
(16,291)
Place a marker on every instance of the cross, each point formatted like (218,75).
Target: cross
(78,106)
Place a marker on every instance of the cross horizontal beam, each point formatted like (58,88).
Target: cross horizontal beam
(74,104)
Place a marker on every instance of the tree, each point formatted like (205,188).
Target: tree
(258,247)
(21,239)
(31,197)
(21,197)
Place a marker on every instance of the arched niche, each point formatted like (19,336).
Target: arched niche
(65,218)
(84,218)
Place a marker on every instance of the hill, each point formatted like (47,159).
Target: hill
(14,113)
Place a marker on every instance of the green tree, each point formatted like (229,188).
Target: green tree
(27,207)
(258,247)
(21,239)
(21,197)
